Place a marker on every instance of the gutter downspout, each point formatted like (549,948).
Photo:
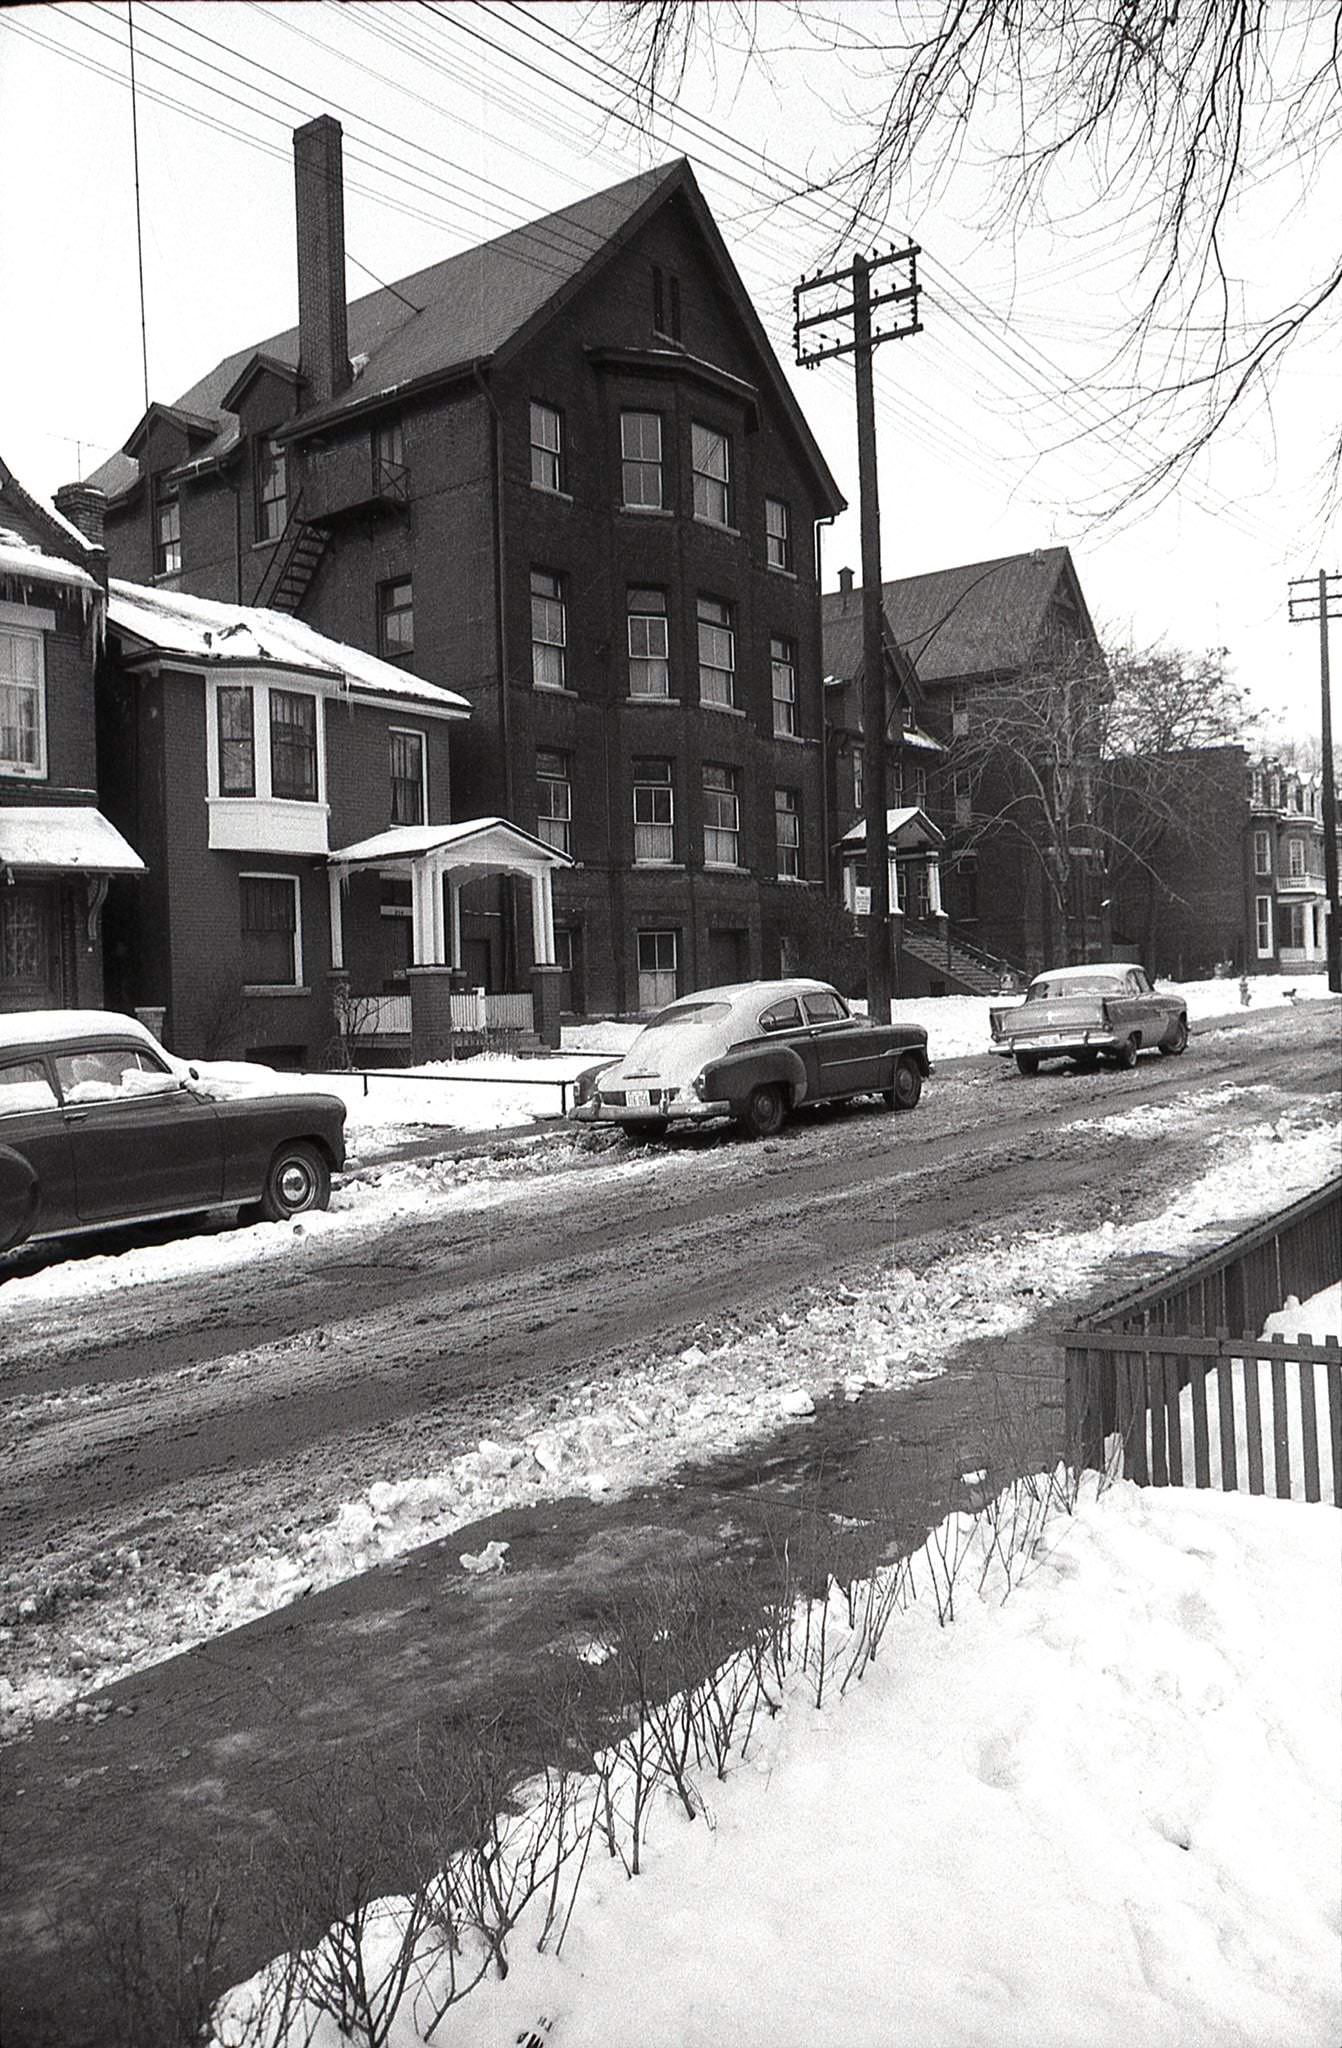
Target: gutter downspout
(501,651)
(826,854)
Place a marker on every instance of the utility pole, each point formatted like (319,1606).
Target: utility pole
(861,302)
(1320,597)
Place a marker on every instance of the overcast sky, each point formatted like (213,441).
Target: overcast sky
(462,121)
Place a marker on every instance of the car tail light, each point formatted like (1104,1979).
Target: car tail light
(995,1020)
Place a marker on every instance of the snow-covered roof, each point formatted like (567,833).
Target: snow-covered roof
(64,837)
(21,558)
(409,842)
(35,1027)
(920,833)
(80,539)
(206,630)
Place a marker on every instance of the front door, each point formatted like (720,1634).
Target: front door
(29,954)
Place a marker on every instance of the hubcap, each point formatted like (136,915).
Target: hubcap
(295,1184)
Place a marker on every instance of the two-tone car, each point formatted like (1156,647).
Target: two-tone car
(750,1052)
(1107,1010)
(99,1125)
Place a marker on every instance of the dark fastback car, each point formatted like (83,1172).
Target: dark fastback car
(751,1052)
(98,1125)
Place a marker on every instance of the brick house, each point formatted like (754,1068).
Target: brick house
(1242,890)
(951,637)
(58,852)
(563,475)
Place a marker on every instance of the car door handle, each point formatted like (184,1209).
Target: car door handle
(76,1116)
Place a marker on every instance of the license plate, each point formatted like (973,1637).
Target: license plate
(638,1098)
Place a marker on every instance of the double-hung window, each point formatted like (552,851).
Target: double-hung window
(717,652)
(293,745)
(167,530)
(406,761)
(23,747)
(1262,853)
(654,812)
(710,460)
(554,799)
(787,832)
(1295,858)
(783,675)
(1262,918)
(649,644)
(722,816)
(777,533)
(658,970)
(272,949)
(962,783)
(641,461)
(272,490)
(547,448)
(237,741)
(549,631)
(396,618)
(858,785)
(389,474)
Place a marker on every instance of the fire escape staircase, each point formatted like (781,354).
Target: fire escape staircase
(965,968)
(298,552)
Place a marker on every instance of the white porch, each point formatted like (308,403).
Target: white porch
(913,846)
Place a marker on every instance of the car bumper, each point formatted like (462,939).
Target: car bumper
(1048,1045)
(676,1112)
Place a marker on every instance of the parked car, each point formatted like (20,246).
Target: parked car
(752,1051)
(1105,1011)
(99,1125)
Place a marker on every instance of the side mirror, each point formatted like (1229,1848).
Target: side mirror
(194,1072)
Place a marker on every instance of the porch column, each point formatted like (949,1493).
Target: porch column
(542,919)
(426,914)
(454,923)
(934,885)
(896,900)
(335,881)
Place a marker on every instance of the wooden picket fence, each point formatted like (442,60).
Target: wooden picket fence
(1129,1367)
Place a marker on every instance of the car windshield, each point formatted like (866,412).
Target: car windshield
(677,1021)
(1044,991)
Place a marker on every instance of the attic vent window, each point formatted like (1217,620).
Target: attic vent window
(665,303)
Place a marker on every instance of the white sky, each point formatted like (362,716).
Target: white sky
(462,121)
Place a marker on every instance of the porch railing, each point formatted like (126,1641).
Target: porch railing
(1160,1370)
(473,1013)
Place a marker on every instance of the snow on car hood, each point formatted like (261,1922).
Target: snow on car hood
(669,1052)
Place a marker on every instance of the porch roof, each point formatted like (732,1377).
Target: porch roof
(907,829)
(476,843)
(64,839)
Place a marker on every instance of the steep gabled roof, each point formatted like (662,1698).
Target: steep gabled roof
(475,307)
(981,618)
(49,528)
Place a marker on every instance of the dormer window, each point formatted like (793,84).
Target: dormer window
(272,490)
(167,529)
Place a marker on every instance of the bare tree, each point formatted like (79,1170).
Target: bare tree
(1168,114)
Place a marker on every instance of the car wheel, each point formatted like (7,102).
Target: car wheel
(639,1133)
(908,1085)
(1178,1041)
(1028,1062)
(764,1112)
(1125,1055)
(297,1179)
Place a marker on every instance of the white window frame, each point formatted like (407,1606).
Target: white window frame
(412,732)
(711,469)
(1262,853)
(642,465)
(650,851)
(271,988)
(859,761)
(642,661)
(783,667)
(789,849)
(1297,858)
(1262,913)
(272,460)
(555,827)
(658,984)
(28,625)
(724,648)
(722,840)
(555,602)
(778,535)
(547,457)
(262,822)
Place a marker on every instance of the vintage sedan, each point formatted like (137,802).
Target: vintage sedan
(751,1052)
(1104,1011)
(99,1125)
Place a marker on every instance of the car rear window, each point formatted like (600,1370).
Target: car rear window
(24,1085)
(685,1017)
(1075,985)
(822,1007)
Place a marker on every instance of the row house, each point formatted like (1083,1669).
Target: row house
(58,852)
(1288,919)
(973,909)
(561,477)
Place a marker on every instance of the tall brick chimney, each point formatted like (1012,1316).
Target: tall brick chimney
(319,193)
(845,584)
(85,506)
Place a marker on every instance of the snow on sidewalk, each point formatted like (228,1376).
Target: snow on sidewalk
(1100,1813)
